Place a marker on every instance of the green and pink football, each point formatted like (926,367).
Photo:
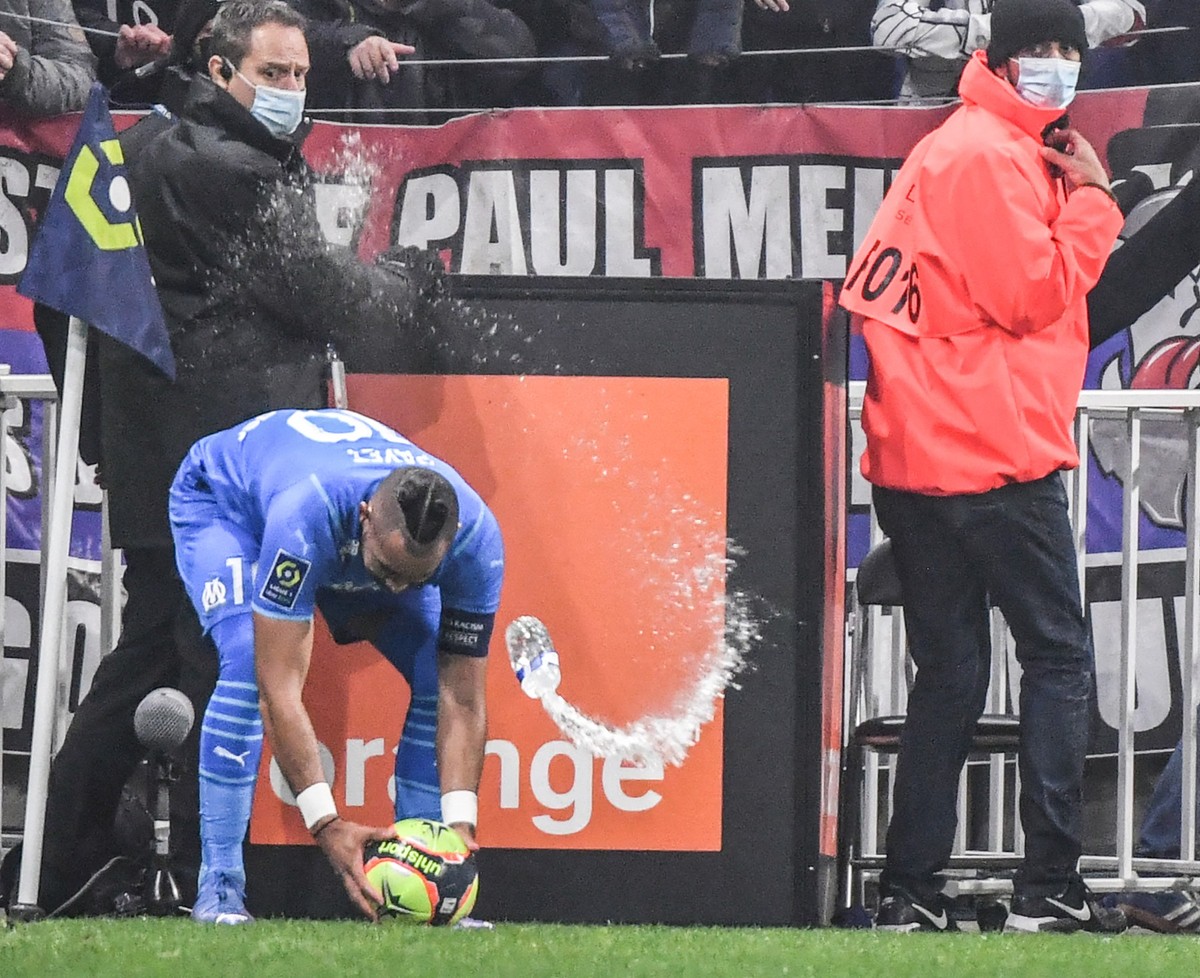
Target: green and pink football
(426,875)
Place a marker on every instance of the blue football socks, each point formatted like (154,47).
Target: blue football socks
(230,749)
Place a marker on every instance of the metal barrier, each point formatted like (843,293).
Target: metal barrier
(1131,408)
(13,387)
(40,387)
(1106,873)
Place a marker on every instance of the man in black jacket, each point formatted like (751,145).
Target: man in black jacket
(252,294)
(100,749)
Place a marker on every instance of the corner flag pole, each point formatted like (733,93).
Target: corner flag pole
(53,613)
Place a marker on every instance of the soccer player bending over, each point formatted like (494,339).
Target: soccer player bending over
(296,510)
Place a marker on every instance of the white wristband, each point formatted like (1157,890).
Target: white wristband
(315,803)
(460,806)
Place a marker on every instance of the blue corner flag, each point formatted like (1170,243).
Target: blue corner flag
(88,259)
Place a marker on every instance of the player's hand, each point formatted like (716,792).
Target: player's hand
(466,832)
(779,6)
(343,842)
(1075,158)
(376,57)
(8,54)
(140,45)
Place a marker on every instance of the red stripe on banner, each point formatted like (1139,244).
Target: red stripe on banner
(495,192)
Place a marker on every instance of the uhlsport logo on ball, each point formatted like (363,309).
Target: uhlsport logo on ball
(426,874)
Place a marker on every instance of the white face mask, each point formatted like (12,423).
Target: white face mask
(279,109)
(1047,82)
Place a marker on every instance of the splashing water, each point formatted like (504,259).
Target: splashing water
(457,335)
(682,556)
(356,164)
(669,735)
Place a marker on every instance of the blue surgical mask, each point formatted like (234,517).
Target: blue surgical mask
(1047,82)
(279,109)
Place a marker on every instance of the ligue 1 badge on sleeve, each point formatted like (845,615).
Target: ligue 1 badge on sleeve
(284,580)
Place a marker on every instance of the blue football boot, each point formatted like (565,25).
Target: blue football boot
(221,899)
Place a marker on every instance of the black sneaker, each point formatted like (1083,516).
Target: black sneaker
(903,911)
(1074,908)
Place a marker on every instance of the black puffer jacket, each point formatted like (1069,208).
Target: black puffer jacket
(252,293)
(559,23)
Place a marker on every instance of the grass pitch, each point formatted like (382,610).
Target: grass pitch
(307,949)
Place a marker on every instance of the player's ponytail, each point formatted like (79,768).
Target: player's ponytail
(429,505)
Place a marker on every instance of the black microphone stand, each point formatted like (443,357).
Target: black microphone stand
(160,894)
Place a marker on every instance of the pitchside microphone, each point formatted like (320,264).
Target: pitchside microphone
(163,719)
(162,722)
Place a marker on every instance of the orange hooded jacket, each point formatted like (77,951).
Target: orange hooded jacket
(972,284)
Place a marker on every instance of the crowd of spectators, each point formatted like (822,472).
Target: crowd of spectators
(579,52)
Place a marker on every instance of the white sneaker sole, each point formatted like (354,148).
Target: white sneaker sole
(473,923)
(1017,923)
(225,918)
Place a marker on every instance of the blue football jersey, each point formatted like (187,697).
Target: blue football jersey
(294,480)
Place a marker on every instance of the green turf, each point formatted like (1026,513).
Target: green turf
(303,949)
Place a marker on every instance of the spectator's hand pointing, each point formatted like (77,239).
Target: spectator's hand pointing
(140,45)
(8,54)
(778,6)
(376,57)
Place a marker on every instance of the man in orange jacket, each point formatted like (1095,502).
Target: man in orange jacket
(972,285)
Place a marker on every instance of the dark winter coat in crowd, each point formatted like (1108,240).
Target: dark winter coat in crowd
(438,29)
(127,88)
(54,68)
(637,31)
(827,77)
(87,819)
(1168,58)
(702,28)
(560,28)
(558,24)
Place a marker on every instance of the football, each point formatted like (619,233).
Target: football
(427,874)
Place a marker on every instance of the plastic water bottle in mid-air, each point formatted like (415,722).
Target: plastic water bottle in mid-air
(533,656)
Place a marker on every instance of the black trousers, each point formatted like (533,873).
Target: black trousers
(1014,544)
(161,644)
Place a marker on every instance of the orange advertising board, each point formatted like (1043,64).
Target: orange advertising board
(611,495)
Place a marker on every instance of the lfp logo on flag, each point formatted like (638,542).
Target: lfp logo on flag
(88,259)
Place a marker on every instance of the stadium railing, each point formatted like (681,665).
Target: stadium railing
(1107,871)
(884,647)
(17,675)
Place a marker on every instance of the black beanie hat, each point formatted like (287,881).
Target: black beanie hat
(1018,24)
